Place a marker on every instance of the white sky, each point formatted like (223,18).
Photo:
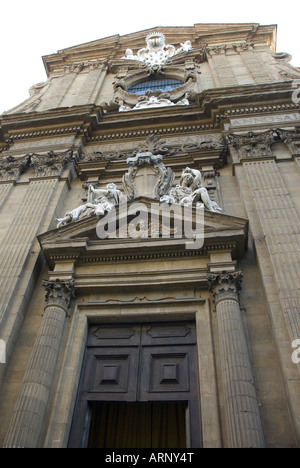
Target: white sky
(30,29)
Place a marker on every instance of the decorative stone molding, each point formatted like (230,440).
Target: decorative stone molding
(243,46)
(78,67)
(144,133)
(225,285)
(51,164)
(210,182)
(220,49)
(153,101)
(42,133)
(157,145)
(254,145)
(285,69)
(291,138)
(161,59)
(254,110)
(11,167)
(216,50)
(125,101)
(157,52)
(258,145)
(59,293)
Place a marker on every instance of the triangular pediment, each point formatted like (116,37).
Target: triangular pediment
(81,238)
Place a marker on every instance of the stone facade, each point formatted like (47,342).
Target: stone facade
(225,140)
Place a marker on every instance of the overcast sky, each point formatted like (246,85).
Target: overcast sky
(30,29)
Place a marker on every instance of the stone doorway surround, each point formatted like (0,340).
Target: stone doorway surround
(95,281)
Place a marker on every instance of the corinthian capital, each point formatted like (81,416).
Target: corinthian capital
(50,164)
(253,145)
(225,285)
(11,167)
(59,293)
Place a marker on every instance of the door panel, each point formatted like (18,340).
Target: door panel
(172,334)
(164,370)
(114,335)
(139,363)
(114,370)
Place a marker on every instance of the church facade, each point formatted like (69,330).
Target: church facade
(149,250)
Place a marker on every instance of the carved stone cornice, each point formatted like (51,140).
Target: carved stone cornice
(249,110)
(59,294)
(11,167)
(225,285)
(52,164)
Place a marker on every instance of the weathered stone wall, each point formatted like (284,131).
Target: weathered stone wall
(46,167)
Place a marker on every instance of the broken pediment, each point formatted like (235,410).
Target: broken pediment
(143,227)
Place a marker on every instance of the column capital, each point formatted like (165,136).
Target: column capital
(59,293)
(51,164)
(253,146)
(225,285)
(12,167)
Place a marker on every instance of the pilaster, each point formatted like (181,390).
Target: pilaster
(276,233)
(277,215)
(23,228)
(220,63)
(10,170)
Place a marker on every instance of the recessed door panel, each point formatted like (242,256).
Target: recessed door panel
(173,334)
(114,335)
(164,370)
(113,370)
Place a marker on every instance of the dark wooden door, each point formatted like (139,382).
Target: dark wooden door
(139,363)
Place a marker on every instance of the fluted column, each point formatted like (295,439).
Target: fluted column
(240,401)
(27,423)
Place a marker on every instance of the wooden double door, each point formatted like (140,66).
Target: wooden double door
(142,380)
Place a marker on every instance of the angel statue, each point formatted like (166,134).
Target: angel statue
(99,201)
